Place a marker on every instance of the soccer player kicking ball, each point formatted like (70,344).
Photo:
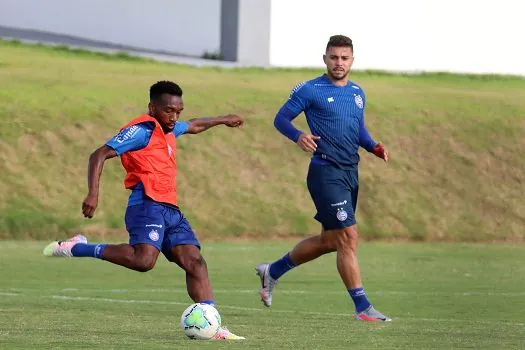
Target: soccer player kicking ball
(334,107)
(147,147)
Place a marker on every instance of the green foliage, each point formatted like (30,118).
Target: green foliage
(455,174)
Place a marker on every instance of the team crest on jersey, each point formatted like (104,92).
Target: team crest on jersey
(342,215)
(358,101)
(154,235)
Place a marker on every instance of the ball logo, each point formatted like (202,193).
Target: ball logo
(359,101)
(342,215)
(154,235)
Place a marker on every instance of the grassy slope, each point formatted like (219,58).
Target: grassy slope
(457,169)
(440,296)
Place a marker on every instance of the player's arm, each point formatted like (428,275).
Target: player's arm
(95,166)
(129,139)
(297,103)
(198,125)
(367,142)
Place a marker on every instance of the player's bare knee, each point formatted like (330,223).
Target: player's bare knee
(144,263)
(348,238)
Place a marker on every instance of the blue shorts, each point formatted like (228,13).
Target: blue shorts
(334,192)
(159,225)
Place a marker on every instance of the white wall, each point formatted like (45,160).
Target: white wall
(254,32)
(180,26)
(405,35)
(472,36)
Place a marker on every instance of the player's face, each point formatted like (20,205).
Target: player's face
(167,111)
(338,61)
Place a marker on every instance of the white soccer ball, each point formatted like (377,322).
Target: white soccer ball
(200,321)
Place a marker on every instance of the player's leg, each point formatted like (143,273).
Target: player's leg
(144,222)
(138,257)
(324,184)
(189,258)
(348,268)
(347,263)
(306,250)
(346,238)
(182,247)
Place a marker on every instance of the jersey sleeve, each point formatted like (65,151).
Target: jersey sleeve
(181,128)
(299,99)
(365,139)
(132,138)
(283,123)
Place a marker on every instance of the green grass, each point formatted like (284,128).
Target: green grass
(440,296)
(455,173)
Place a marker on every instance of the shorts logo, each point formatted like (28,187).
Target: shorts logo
(358,101)
(338,203)
(154,225)
(154,235)
(342,215)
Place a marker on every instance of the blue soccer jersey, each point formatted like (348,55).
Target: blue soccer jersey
(334,113)
(136,137)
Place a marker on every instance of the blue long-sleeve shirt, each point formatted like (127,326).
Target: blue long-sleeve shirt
(334,113)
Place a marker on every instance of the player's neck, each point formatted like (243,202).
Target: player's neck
(337,82)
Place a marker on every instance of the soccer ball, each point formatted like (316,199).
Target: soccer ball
(200,321)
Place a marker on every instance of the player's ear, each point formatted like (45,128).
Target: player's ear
(151,108)
(324,59)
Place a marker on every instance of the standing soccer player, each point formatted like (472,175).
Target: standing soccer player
(334,107)
(147,147)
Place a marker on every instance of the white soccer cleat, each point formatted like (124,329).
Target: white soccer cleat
(224,334)
(267,283)
(371,315)
(63,248)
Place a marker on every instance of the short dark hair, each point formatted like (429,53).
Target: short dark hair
(164,87)
(339,41)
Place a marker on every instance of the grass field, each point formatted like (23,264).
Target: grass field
(440,296)
(455,172)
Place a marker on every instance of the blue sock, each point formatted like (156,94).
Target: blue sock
(359,297)
(209,302)
(90,250)
(281,266)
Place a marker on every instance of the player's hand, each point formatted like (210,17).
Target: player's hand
(89,205)
(232,120)
(307,142)
(381,151)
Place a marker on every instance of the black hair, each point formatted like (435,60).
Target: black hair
(340,41)
(164,87)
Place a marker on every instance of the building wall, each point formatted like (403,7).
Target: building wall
(178,26)
(467,36)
